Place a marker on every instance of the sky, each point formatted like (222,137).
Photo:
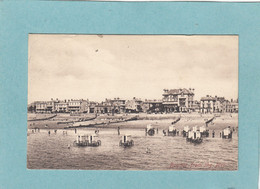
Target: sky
(97,67)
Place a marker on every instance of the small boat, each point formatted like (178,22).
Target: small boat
(209,121)
(172,131)
(194,136)
(126,141)
(65,122)
(185,131)
(150,130)
(227,133)
(131,118)
(178,119)
(87,140)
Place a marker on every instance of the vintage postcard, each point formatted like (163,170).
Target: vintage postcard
(132,102)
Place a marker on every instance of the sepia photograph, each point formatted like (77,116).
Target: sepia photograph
(132,102)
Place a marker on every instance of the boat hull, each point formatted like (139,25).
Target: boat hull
(126,144)
(205,133)
(196,141)
(172,133)
(91,144)
(229,136)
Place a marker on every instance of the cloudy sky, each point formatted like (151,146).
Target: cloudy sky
(96,67)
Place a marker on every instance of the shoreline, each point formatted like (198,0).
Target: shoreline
(161,121)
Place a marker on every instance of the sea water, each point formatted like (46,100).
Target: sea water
(56,151)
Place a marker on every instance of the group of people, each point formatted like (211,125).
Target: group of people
(35,129)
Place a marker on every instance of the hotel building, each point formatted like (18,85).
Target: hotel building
(178,100)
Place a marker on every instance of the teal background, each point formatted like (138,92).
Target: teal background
(19,18)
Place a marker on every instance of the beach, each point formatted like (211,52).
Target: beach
(161,121)
(48,147)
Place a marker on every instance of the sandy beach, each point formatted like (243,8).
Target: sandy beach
(48,149)
(161,121)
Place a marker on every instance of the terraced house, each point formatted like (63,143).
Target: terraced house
(61,107)
(118,105)
(208,104)
(134,105)
(174,100)
(216,104)
(232,106)
(152,106)
(41,107)
(77,105)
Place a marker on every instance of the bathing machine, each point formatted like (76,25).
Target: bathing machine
(126,141)
(150,130)
(172,131)
(87,140)
(204,131)
(194,136)
(227,133)
(185,131)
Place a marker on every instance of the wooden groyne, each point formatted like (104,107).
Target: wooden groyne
(176,120)
(98,123)
(43,119)
(210,120)
(79,120)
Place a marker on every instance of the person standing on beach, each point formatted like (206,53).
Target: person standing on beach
(75,131)
(164,133)
(118,130)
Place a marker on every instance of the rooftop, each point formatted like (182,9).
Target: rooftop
(179,91)
(210,98)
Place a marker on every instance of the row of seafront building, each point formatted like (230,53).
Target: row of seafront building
(173,100)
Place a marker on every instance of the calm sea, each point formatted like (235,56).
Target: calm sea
(166,152)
